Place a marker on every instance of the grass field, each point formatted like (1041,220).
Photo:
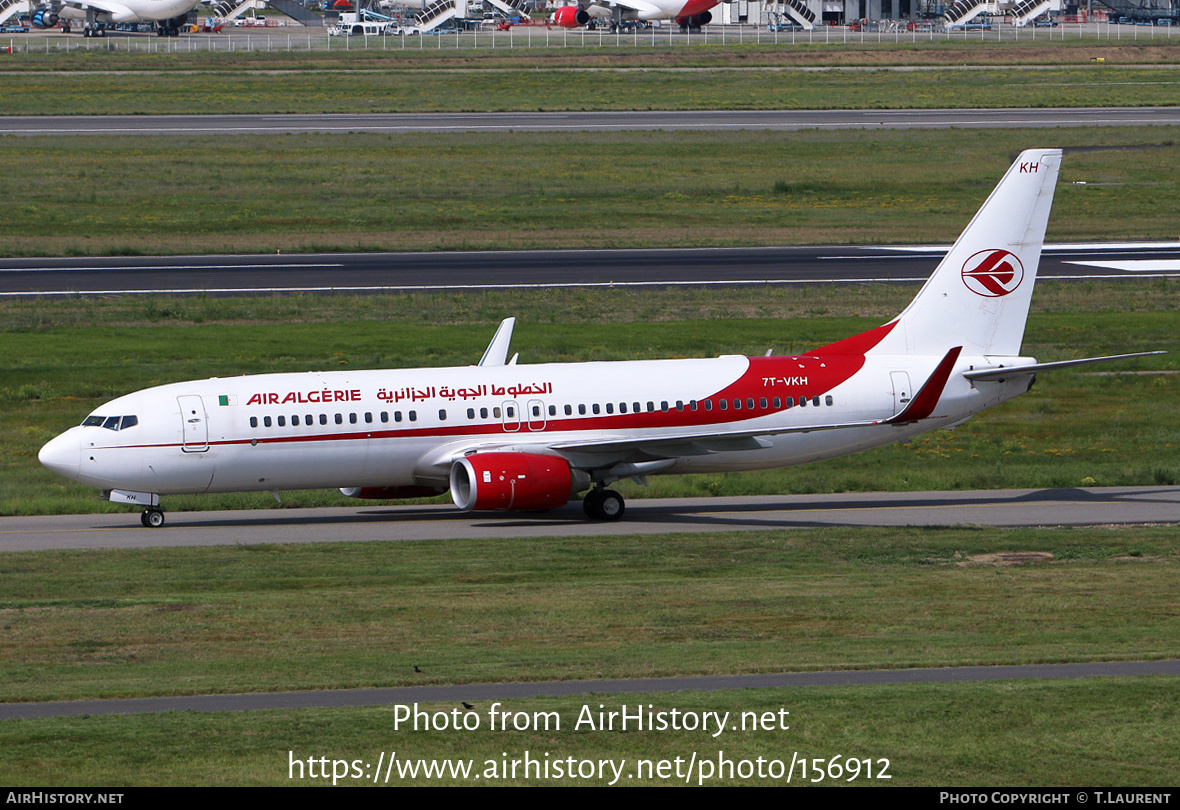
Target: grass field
(401,89)
(257,618)
(1101,732)
(153,195)
(175,621)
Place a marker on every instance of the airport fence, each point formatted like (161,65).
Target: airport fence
(544,37)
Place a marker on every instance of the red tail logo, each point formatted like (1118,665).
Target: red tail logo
(993,273)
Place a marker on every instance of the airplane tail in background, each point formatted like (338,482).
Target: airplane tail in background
(979,295)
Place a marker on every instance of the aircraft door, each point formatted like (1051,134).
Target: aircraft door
(902,394)
(195,424)
(511,416)
(536,414)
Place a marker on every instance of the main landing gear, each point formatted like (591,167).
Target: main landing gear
(603,504)
(152,518)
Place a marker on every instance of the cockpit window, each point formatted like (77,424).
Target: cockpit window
(111,422)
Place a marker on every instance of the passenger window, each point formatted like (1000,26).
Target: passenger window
(553,410)
(790,402)
(368,418)
(595,407)
(295,420)
(737,404)
(708,404)
(581,409)
(750,403)
(352,419)
(308,420)
(282,421)
(254,421)
(622,407)
(692,405)
(471,413)
(413,416)
(266,421)
(496,412)
(340,419)
(483,413)
(664,406)
(536,410)
(828,400)
(762,402)
(815,401)
(802,402)
(778,403)
(442,415)
(323,419)
(397,416)
(724,404)
(511,412)
(569,410)
(385,416)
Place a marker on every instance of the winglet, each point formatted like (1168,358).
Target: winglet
(925,401)
(497,351)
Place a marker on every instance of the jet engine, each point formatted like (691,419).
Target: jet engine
(44,17)
(571,17)
(507,480)
(695,21)
(390,493)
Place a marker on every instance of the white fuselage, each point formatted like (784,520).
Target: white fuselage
(387,428)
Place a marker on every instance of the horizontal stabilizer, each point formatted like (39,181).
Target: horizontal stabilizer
(1012,371)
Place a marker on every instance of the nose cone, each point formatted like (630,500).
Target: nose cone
(62,455)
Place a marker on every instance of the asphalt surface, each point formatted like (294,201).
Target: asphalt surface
(394,272)
(707,120)
(377,521)
(335,698)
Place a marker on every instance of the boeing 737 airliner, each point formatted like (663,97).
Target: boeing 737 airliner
(530,437)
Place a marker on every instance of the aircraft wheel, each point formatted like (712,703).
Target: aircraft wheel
(152,518)
(603,504)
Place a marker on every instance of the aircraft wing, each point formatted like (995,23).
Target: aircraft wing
(104,6)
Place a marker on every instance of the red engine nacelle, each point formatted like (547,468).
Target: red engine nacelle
(511,481)
(571,17)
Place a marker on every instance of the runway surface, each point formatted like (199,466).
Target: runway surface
(400,272)
(376,522)
(707,120)
(485,692)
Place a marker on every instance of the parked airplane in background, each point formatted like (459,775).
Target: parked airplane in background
(529,437)
(690,15)
(168,15)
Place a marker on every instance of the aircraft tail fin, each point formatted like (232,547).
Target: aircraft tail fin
(979,295)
